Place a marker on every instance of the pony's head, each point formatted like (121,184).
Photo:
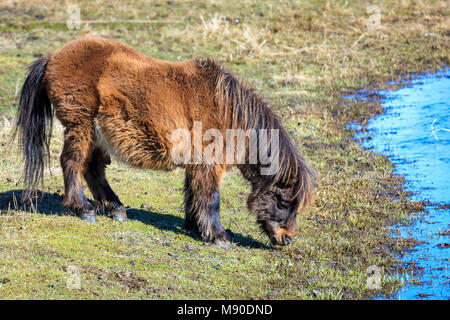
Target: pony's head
(276,206)
(276,199)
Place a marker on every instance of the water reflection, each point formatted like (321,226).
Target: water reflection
(415,134)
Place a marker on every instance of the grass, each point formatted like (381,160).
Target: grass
(304,56)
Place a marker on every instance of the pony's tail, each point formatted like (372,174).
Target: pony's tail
(34,125)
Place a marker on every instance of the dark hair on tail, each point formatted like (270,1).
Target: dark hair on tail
(34,124)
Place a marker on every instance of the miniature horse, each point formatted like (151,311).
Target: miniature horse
(112,99)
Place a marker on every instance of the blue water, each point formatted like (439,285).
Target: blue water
(411,133)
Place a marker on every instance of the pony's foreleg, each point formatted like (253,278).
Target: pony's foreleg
(74,157)
(202,203)
(99,186)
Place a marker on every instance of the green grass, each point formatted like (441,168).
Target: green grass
(303,56)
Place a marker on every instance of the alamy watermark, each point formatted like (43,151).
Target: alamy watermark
(73,280)
(373,280)
(374,20)
(242,146)
(74,18)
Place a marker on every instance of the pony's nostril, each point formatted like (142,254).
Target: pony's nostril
(286,239)
(273,240)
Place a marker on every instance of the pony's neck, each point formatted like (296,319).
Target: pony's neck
(245,109)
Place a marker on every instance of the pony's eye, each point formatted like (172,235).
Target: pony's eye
(282,205)
(280,221)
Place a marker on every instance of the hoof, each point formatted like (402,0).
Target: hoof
(89,216)
(224,244)
(119,215)
(224,241)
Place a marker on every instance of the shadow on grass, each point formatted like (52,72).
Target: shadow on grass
(45,204)
(51,204)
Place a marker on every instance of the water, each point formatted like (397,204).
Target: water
(411,133)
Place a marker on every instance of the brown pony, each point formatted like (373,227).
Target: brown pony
(112,99)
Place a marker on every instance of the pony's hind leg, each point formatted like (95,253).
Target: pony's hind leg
(74,157)
(202,203)
(99,186)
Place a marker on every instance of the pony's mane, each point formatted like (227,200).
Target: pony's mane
(250,111)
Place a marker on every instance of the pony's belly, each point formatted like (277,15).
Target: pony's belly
(103,144)
(131,146)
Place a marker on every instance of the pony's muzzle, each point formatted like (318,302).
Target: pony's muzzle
(286,239)
(282,237)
